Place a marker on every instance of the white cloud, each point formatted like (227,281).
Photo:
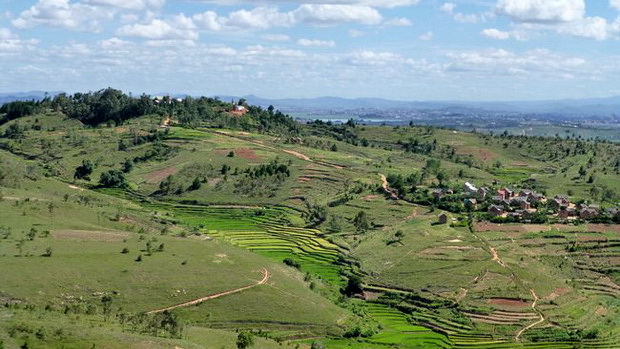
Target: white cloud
(591,27)
(62,13)
(221,51)
(261,18)
(316,43)
(135,5)
(259,50)
(373,3)
(615,4)
(257,18)
(495,34)
(503,35)
(114,44)
(367,57)
(179,27)
(11,44)
(354,33)
(399,22)
(448,7)
(467,18)
(276,37)
(542,11)
(6,34)
(426,36)
(536,63)
(327,14)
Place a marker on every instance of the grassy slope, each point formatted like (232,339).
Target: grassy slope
(429,257)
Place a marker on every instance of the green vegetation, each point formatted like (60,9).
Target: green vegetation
(317,236)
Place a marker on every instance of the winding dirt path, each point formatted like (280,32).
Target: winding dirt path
(386,188)
(496,257)
(541,320)
(265,278)
(297,154)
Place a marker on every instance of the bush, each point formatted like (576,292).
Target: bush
(292,263)
(113,179)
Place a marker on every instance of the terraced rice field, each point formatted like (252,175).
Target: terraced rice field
(264,230)
(261,230)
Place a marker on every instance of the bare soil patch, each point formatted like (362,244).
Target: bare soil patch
(601,310)
(479,153)
(509,302)
(558,292)
(370,197)
(160,175)
(90,235)
(519,228)
(244,153)
(303,179)
(602,228)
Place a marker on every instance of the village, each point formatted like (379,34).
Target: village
(504,205)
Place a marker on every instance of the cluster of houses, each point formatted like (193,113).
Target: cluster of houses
(522,204)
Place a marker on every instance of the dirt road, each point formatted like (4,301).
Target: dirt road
(541,320)
(265,278)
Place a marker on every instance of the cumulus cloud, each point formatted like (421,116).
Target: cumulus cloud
(257,18)
(426,36)
(448,7)
(179,27)
(497,34)
(128,4)
(399,22)
(542,11)
(10,43)
(276,37)
(592,28)
(327,14)
(367,57)
(261,18)
(62,13)
(373,3)
(615,4)
(316,43)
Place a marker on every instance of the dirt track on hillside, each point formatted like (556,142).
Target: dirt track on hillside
(265,278)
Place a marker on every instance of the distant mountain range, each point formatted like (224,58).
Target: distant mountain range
(575,107)
(592,106)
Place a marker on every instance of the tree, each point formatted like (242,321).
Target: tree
(48,252)
(354,286)
(196,184)
(582,172)
(85,170)
(106,301)
(113,179)
(128,165)
(244,340)
(334,147)
(361,222)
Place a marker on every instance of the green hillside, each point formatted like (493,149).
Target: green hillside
(315,235)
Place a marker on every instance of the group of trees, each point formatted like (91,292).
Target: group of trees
(113,106)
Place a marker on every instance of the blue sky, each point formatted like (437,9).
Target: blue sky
(399,49)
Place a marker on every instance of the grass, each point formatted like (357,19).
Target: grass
(450,267)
